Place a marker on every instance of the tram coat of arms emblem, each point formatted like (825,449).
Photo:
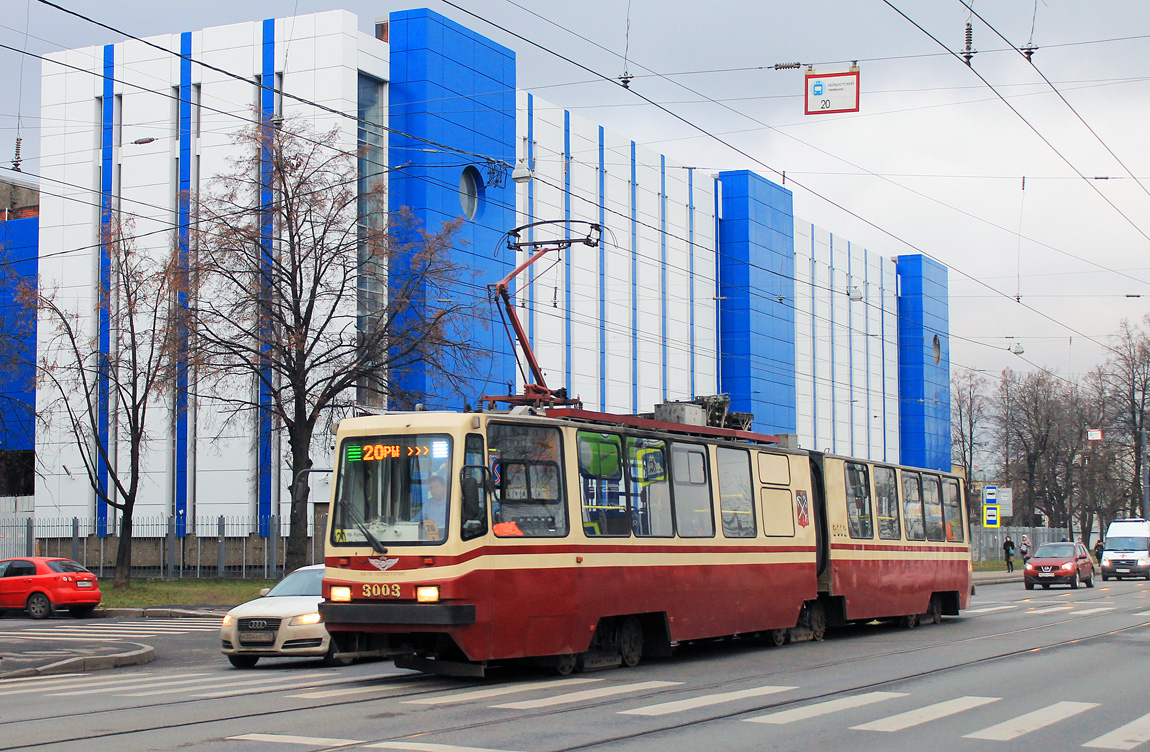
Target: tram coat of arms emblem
(802,509)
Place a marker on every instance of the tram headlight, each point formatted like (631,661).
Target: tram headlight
(427,594)
(340,594)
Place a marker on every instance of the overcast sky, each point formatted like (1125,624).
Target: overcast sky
(932,163)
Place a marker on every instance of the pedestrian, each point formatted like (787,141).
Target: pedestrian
(1024,549)
(1008,552)
(1099,547)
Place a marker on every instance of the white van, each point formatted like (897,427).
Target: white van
(1127,552)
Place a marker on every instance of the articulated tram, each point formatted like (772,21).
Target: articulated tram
(581,539)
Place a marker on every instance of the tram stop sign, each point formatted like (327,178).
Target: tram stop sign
(990,515)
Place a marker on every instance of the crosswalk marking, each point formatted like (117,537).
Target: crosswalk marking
(925,714)
(155,681)
(1024,724)
(231,682)
(1125,737)
(23,679)
(586,694)
(304,684)
(482,694)
(1052,609)
(429,747)
(316,741)
(1144,613)
(988,609)
(1092,611)
(665,708)
(55,682)
(825,708)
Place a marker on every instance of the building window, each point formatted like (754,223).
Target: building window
(470,192)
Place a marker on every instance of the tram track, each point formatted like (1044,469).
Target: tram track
(441,685)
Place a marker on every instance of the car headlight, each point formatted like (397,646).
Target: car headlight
(227,622)
(1144,562)
(305,619)
(1068,566)
(427,594)
(341,593)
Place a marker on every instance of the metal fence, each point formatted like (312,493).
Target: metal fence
(228,547)
(986,542)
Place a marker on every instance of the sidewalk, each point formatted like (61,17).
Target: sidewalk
(995,578)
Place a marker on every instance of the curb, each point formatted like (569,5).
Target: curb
(141,655)
(152,613)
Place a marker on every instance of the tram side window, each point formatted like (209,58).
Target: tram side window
(952,511)
(886,503)
(692,488)
(601,484)
(649,487)
(912,506)
(530,499)
(736,499)
(932,506)
(860,524)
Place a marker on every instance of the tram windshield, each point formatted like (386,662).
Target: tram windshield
(392,490)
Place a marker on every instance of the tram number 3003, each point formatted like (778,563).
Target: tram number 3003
(376,590)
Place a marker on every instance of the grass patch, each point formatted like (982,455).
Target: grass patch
(201,592)
(997,565)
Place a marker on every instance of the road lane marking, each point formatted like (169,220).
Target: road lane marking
(1052,609)
(704,701)
(1124,737)
(825,708)
(481,694)
(1092,611)
(988,609)
(587,694)
(1144,613)
(156,681)
(429,747)
(1024,724)
(926,714)
(315,741)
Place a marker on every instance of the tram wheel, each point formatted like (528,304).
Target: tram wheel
(935,609)
(910,621)
(818,622)
(631,641)
(777,637)
(566,664)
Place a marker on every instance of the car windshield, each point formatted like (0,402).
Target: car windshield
(394,489)
(1127,543)
(65,566)
(1055,551)
(300,582)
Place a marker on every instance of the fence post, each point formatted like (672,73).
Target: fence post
(273,541)
(171,540)
(75,539)
(30,538)
(221,561)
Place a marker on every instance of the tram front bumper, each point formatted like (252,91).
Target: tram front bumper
(399,614)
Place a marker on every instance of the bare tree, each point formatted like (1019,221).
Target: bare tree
(117,369)
(310,303)
(969,412)
(1128,381)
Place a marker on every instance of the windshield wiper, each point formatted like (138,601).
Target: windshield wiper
(357,520)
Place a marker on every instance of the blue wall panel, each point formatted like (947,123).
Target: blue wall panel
(924,384)
(756,306)
(19,241)
(455,87)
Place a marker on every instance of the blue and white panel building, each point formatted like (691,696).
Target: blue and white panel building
(703,283)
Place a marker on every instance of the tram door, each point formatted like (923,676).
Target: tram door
(819,510)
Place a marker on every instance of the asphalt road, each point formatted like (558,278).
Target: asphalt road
(1041,670)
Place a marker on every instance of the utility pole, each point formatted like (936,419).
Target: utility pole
(1145,476)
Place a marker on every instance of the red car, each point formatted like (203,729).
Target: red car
(1064,563)
(41,584)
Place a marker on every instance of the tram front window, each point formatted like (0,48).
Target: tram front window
(393,489)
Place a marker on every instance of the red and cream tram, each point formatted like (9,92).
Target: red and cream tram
(584,539)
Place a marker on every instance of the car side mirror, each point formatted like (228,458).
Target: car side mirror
(264,591)
(1081,557)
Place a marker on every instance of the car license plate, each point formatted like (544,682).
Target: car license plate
(1046,574)
(1122,570)
(257,636)
(83,583)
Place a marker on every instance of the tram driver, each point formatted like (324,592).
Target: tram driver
(433,510)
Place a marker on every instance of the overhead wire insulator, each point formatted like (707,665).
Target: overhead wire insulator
(788,66)
(17,159)
(969,51)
